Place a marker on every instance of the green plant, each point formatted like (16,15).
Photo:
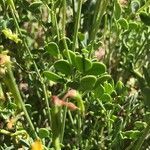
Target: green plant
(72,75)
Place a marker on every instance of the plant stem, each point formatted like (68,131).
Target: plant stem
(2,131)
(64,30)
(56,126)
(63,125)
(57,143)
(71,119)
(52,11)
(77,25)
(31,57)
(97,7)
(141,50)
(96,22)
(10,81)
(73,8)
(79,131)
(144,6)
(11,3)
(142,138)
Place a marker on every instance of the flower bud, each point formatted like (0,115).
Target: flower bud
(58,102)
(71,106)
(76,96)
(72,94)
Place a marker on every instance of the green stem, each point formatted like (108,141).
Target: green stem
(79,131)
(55,24)
(140,51)
(56,126)
(52,13)
(144,6)
(63,125)
(2,131)
(57,143)
(11,3)
(101,145)
(96,22)
(109,127)
(73,8)
(64,30)
(77,25)
(88,142)
(139,143)
(5,132)
(71,119)
(31,57)
(10,80)
(96,12)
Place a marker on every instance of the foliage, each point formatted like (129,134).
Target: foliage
(74,74)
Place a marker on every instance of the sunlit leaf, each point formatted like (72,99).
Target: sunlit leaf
(97,69)
(72,56)
(133,25)
(63,66)
(43,133)
(102,79)
(83,64)
(117,10)
(52,76)
(99,91)
(34,7)
(123,23)
(105,97)
(52,49)
(108,88)
(12,36)
(87,82)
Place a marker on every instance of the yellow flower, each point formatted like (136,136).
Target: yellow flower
(37,145)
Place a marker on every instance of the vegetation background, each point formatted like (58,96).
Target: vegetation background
(74,74)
